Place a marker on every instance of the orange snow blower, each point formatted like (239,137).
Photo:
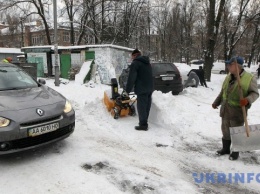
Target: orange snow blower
(119,104)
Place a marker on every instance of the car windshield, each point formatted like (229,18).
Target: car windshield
(12,78)
(160,68)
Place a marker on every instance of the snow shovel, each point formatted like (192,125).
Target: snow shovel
(241,141)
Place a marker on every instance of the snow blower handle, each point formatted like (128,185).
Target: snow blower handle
(124,93)
(131,93)
(241,97)
(128,94)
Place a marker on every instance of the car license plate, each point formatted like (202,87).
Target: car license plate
(43,129)
(167,78)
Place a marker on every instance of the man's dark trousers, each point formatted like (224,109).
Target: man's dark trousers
(143,107)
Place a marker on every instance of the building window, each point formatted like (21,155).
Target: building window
(89,39)
(66,37)
(52,38)
(37,40)
(34,40)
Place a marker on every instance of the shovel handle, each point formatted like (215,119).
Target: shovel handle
(241,96)
(245,119)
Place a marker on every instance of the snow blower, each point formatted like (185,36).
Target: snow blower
(119,104)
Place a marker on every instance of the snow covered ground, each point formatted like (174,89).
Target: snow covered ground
(108,156)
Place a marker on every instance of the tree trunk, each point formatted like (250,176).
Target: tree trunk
(209,54)
(102,21)
(212,33)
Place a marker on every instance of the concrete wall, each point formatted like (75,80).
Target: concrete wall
(110,62)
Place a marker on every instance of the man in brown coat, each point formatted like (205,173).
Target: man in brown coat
(229,99)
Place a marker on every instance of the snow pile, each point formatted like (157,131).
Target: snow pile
(85,68)
(108,156)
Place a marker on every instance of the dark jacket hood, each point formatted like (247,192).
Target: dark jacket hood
(143,59)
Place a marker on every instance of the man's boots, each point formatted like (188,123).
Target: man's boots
(141,127)
(234,156)
(226,148)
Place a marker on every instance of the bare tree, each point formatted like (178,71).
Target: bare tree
(38,7)
(253,19)
(188,21)
(160,15)
(170,30)
(235,30)
(83,20)
(213,22)
(72,7)
(175,34)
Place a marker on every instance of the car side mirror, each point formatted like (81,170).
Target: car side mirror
(42,81)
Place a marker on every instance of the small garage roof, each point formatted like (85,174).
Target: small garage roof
(79,47)
(11,50)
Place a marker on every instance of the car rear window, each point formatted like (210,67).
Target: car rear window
(159,68)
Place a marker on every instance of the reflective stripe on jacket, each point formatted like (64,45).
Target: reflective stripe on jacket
(5,61)
(232,96)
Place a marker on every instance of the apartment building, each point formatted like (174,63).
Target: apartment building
(33,34)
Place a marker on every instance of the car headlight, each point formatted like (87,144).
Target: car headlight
(4,122)
(67,107)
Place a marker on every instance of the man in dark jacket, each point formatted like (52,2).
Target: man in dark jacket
(140,77)
(191,76)
(258,72)
(200,73)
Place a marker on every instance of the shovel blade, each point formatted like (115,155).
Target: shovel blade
(240,141)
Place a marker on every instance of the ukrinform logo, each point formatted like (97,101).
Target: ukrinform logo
(223,178)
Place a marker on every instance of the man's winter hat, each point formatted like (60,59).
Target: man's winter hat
(136,51)
(239,60)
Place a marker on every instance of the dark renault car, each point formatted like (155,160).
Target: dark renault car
(31,114)
(167,78)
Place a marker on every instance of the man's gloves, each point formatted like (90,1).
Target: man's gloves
(214,106)
(243,102)
(125,94)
